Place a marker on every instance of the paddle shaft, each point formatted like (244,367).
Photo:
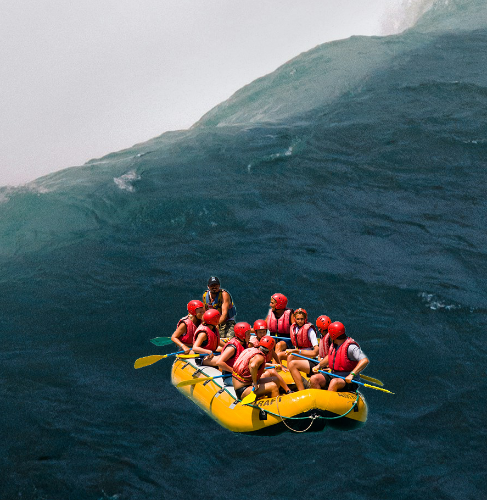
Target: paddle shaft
(172,354)
(201,379)
(150,360)
(196,355)
(339,376)
(356,382)
(329,373)
(370,379)
(221,376)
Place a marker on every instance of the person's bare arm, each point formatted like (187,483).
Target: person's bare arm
(225,307)
(180,331)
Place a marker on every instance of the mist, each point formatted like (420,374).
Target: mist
(80,80)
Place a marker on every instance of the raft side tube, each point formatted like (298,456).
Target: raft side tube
(311,406)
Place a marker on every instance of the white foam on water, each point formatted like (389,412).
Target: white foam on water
(402,15)
(126,181)
(435,303)
(32,187)
(4,198)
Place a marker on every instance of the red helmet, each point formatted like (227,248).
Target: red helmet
(241,329)
(212,317)
(193,305)
(323,322)
(336,330)
(301,311)
(260,324)
(281,300)
(267,342)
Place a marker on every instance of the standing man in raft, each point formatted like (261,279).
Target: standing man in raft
(218,298)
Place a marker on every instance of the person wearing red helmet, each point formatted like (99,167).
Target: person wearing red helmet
(279,320)
(232,349)
(249,368)
(260,329)
(345,358)
(183,336)
(322,323)
(305,342)
(207,336)
(218,298)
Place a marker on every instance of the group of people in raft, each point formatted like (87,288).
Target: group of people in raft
(246,353)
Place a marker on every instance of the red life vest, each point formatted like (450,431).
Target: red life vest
(338,358)
(188,337)
(253,341)
(279,326)
(241,370)
(325,346)
(239,349)
(300,338)
(212,338)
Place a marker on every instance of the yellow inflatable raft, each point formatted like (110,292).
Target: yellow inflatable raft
(308,410)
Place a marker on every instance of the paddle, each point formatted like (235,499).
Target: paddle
(250,398)
(372,379)
(365,377)
(160,341)
(191,355)
(150,360)
(357,382)
(195,381)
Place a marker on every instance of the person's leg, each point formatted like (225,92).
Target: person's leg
(349,388)
(243,391)
(295,366)
(210,361)
(282,356)
(272,372)
(336,384)
(267,386)
(319,381)
(226,330)
(280,346)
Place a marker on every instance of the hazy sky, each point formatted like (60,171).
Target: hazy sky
(81,79)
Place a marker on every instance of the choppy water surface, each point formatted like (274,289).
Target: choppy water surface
(352,180)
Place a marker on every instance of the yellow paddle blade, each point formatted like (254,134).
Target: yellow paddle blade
(193,381)
(147,360)
(371,379)
(250,398)
(377,388)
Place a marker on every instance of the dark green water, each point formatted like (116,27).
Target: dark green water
(352,180)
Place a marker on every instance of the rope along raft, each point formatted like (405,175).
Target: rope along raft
(283,419)
(216,398)
(311,417)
